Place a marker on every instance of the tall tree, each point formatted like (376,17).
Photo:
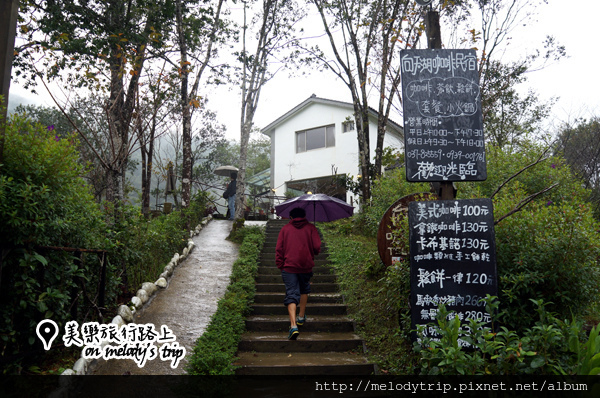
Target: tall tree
(579,143)
(197,25)
(275,22)
(100,44)
(155,111)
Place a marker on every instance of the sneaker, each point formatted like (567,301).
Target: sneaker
(300,320)
(293,334)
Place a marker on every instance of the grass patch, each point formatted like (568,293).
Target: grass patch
(215,350)
(373,296)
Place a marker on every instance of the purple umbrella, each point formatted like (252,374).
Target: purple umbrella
(318,207)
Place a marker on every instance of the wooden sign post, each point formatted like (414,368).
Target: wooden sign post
(452,246)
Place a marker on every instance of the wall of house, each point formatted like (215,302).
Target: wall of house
(288,165)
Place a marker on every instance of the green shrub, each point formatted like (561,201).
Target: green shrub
(44,201)
(547,252)
(373,301)
(589,354)
(550,346)
(146,246)
(215,350)
(503,163)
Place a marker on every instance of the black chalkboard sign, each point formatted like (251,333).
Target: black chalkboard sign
(443,127)
(452,259)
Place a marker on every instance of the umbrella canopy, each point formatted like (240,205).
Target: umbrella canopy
(318,207)
(226,171)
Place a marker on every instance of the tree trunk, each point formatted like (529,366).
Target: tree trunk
(121,104)
(364,153)
(240,205)
(116,102)
(148,171)
(186,173)
(146,150)
(10,11)
(145,206)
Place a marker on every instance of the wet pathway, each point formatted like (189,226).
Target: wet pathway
(189,301)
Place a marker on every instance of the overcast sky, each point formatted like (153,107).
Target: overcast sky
(574,79)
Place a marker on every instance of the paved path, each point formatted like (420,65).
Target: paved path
(189,301)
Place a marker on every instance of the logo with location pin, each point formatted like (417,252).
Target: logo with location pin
(47,330)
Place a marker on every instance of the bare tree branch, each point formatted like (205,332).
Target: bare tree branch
(539,160)
(525,202)
(62,109)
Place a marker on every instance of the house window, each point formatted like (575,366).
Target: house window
(320,137)
(348,126)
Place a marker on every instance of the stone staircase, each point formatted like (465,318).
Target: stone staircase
(327,344)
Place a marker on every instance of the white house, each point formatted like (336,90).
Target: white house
(315,142)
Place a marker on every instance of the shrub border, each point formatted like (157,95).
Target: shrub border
(215,351)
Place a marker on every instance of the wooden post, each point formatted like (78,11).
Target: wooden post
(9,10)
(445,190)
(434,34)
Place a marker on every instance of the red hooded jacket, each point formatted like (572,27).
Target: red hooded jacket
(297,244)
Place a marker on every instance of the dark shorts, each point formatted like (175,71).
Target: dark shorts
(295,285)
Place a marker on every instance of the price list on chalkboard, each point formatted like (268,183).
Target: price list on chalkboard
(452,260)
(443,127)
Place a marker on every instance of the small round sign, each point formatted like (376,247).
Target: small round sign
(424,2)
(388,252)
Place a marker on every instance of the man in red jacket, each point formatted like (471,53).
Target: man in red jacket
(297,245)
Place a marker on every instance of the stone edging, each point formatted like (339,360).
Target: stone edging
(125,313)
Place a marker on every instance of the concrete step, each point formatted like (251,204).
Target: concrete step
(277,225)
(306,342)
(314,288)
(303,363)
(273,270)
(317,278)
(312,309)
(313,298)
(281,323)
(327,344)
